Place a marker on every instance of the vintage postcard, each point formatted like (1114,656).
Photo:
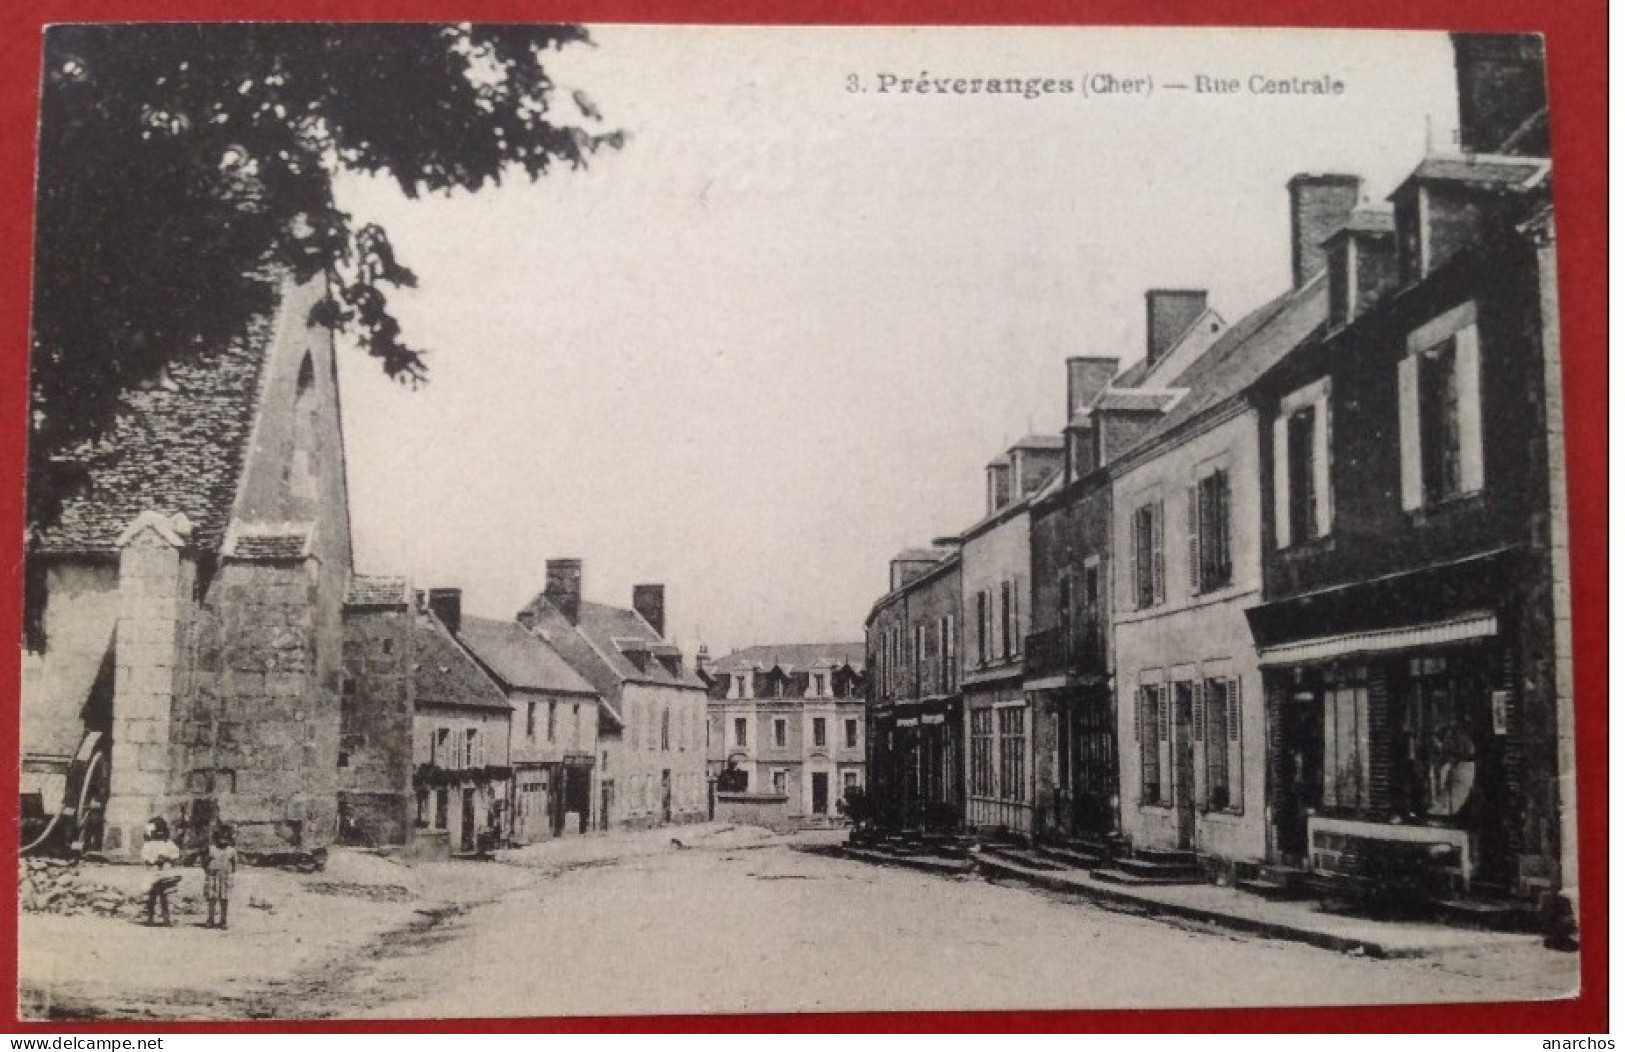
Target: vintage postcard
(537,521)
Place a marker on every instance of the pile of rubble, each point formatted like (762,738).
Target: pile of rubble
(55,885)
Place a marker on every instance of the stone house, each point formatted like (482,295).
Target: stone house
(182,617)
(788,718)
(916,713)
(1009,781)
(651,735)
(1185,510)
(1413,622)
(554,740)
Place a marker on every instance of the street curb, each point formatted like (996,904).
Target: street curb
(940,867)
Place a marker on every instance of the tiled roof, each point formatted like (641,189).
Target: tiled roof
(590,649)
(177,446)
(1500,171)
(793,657)
(377,591)
(518,658)
(269,542)
(1245,352)
(446,675)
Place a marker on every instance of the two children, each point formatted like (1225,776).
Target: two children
(219,868)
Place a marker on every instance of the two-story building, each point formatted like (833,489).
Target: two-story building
(788,719)
(1009,774)
(1185,507)
(651,738)
(1412,627)
(916,715)
(553,742)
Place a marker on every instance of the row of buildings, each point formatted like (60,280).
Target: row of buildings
(1289,595)
(198,646)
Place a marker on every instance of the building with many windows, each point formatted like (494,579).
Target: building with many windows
(786,719)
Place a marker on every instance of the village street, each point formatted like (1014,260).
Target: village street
(734,920)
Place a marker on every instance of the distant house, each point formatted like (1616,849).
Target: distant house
(424,760)
(788,718)
(554,737)
(182,624)
(651,735)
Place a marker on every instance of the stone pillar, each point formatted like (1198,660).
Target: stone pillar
(155,593)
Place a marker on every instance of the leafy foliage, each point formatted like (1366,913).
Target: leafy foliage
(182,166)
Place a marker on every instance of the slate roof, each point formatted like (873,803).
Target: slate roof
(794,657)
(1040,442)
(1134,401)
(518,658)
(270,543)
(1493,171)
(1245,352)
(1132,376)
(367,590)
(177,446)
(590,648)
(1367,221)
(923,555)
(446,675)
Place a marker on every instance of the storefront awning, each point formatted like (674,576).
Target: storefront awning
(1478,624)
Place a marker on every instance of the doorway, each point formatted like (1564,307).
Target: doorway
(1301,773)
(466,840)
(1184,769)
(820,792)
(606,803)
(665,796)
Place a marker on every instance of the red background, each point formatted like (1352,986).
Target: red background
(1577,66)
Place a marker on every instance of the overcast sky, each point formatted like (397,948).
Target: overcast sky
(777,337)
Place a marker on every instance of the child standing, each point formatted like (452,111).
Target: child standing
(160,853)
(220,865)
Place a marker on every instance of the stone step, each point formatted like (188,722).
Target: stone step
(1021,857)
(1115,875)
(1154,867)
(1166,856)
(1073,857)
(1269,889)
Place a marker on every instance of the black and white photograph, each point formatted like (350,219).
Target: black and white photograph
(535,521)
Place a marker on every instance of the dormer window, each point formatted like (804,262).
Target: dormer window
(818,685)
(998,486)
(741,684)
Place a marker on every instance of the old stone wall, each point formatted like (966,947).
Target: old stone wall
(375,727)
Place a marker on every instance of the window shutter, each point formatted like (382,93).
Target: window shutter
(1165,750)
(1134,560)
(1193,537)
(1199,750)
(1410,436)
(1283,485)
(1221,526)
(1470,426)
(1232,709)
(1323,467)
(1162,712)
(1158,592)
(1139,715)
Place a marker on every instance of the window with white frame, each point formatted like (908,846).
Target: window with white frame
(818,684)
(1440,414)
(1302,465)
(741,684)
(1146,555)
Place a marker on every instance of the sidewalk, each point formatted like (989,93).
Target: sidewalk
(1221,907)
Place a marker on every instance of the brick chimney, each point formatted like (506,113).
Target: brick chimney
(1169,314)
(447,605)
(649,600)
(1501,85)
(564,587)
(1086,378)
(1321,204)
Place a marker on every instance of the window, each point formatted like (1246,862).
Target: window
(781,733)
(471,742)
(575,724)
(552,720)
(1438,750)
(1346,772)
(741,731)
(1218,726)
(1151,730)
(851,734)
(741,685)
(1440,422)
(530,720)
(422,820)
(981,752)
(665,730)
(849,781)
(442,807)
(919,657)
(440,749)
(1303,505)
(1145,555)
(779,781)
(1092,641)
(1013,752)
(818,684)
(1208,515)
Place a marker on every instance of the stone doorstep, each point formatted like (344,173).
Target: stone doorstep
(1296,922)
(925,863)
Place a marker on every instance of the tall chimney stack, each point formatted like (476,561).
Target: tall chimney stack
(1086,378)
(447,605)
(1321,204)
(649,600)
(564,587)
(1169,314)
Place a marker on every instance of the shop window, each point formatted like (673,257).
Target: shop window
(981,752)
(1346,772)
(1437,749)
(1013,753)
